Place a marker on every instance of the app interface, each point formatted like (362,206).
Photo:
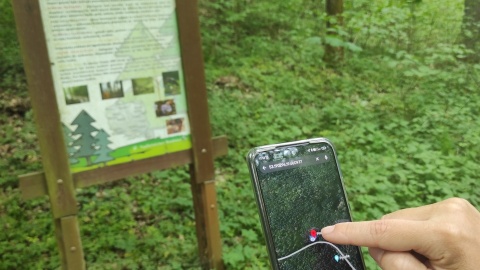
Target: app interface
(302,192)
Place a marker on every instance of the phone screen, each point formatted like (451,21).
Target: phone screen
(299,190)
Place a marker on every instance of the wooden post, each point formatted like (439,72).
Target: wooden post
(73,246)
(193,70)
(202,171)
(206,223)
(47,118)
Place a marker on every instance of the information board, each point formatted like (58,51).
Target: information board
(113,79)
(118,79)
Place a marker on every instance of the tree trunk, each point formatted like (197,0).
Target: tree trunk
(333,55)
(471,24)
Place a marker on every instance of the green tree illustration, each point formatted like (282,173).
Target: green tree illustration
(103,151)
(71,150)
(86,142)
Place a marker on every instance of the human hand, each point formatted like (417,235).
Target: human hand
(440,236)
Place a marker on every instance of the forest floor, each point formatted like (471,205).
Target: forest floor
(404,120)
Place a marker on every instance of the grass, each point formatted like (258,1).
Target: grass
(403,116)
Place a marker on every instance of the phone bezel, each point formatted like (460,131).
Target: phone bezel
(259,198)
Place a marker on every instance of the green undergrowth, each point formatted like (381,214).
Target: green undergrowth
(402,110)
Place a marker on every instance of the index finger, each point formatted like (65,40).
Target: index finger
(424,212)
(419,214)
(388,234)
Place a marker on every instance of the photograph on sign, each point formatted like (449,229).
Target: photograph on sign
(118,79)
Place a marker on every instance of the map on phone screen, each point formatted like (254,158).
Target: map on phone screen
(301,190)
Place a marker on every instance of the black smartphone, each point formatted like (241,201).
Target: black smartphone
(299,190)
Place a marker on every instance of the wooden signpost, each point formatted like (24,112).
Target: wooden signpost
(118,89)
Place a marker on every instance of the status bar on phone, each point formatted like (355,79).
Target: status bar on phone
(286,164)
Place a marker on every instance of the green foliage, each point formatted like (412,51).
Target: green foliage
(26,233)
(404,25)
(151,235)
(9,54)
(240,28)
(402,110)
(18,154)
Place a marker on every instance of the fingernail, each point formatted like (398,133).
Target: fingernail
(328,229)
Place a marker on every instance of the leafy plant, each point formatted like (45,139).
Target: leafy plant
(402,110)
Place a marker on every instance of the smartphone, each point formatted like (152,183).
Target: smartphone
(299,190)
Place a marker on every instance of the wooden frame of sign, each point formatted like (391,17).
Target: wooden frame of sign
(59,183)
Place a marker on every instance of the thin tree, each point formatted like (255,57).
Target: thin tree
(471,25)
(333,54)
